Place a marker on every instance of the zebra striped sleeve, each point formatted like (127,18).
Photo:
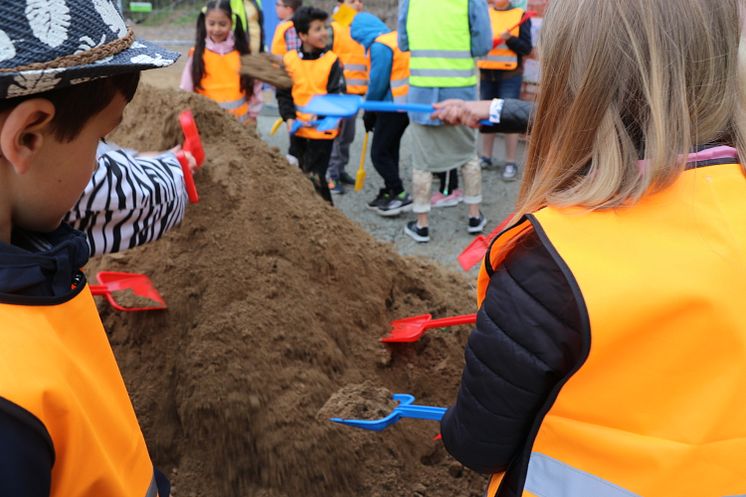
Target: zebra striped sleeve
(129,201)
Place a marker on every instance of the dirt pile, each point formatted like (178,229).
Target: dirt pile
(276,302)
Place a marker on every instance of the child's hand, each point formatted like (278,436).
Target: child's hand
(189,157)
(506,36)
(289,124)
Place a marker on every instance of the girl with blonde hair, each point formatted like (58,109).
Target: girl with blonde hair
(609,356)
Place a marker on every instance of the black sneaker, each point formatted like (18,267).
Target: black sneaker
(383,196)
(477,224)
(346,179)
(395,205)
(420,235)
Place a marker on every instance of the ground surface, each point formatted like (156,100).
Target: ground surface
(448,226)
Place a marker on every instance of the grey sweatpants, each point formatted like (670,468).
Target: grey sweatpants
(341,147)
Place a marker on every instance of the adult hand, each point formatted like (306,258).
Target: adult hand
(369,121)
(461,112)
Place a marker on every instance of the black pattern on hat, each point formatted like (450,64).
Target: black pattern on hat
(45,34)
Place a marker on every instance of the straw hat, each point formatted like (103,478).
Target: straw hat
(48,44)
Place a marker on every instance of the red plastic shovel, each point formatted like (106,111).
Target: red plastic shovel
(474,252)
(192,144)
(409,330)
(526,16)
(138,286)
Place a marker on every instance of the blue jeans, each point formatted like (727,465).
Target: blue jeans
(499,84)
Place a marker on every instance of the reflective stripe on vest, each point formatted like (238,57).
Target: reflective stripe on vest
(279,47)
(353,58)
(502,57)
(656,408)
(310,77)
(57,364)
(399,79)
(440,44)
(221,82)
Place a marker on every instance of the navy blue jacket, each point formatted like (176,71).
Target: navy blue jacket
(526,342)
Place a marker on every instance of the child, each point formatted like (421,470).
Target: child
(286,37)
(67,426)
(354,62)
(609,356)
(389,73)
(501,75)
(315,71)
(213,67)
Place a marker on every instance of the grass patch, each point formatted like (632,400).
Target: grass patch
(181,16)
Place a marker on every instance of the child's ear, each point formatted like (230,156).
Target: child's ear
(23,132)
(303,37)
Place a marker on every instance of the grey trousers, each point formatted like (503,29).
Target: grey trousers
(341,147)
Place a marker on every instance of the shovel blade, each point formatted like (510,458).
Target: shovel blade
(333,105)
(139,284)
(407,330)
(192,141)
(473,253)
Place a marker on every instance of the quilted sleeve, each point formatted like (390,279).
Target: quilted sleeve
(526,340)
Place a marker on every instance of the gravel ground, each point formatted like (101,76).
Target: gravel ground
(448,234)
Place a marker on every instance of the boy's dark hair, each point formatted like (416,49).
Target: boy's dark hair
(305,15)
(240,40)
(75,105)
(293,4)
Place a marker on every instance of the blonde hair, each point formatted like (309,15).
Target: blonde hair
(628,87)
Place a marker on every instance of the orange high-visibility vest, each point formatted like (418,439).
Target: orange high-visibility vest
(310,77)
(221,82)
(658,407)
(502,57)
(57,365)
(354,61)
(279,47)
(399,68)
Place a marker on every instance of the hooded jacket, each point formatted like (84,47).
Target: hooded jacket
(365,29)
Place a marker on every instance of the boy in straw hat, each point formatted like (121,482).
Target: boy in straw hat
(67,427)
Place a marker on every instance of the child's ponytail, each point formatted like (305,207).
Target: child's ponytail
(241,41)
(198,65)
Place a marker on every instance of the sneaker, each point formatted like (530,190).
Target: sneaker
(451,200)
(476,224)
(485,162)
(346,179)
(335,186)
(395,205)
(420,235)
(383,196)
(510,172)
(292,160)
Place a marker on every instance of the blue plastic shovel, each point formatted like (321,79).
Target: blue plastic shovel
(325,124)
(405,409)
(348,105)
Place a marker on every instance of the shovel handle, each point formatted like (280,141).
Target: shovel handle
(376,106)
(100,290)
(191,188)
(451,321)
(528,15)
(421,412)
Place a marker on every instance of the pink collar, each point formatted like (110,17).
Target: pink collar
(222,48)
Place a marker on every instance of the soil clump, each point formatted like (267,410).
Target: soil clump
(275,302)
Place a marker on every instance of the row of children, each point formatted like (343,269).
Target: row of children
(362,59)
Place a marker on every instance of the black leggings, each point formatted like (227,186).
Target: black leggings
(448,179)
(313,157)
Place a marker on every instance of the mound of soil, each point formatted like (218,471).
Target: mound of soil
(277,301)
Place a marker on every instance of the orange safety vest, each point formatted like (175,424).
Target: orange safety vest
(279,47)
(310,77)
(57,365)
(502,57)
(658,407)
(399,69)
(221,82)
(354,61)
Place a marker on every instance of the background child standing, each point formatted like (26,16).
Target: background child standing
(215,61)
(315,71)
(285,38)
(501,75)
(355,66)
